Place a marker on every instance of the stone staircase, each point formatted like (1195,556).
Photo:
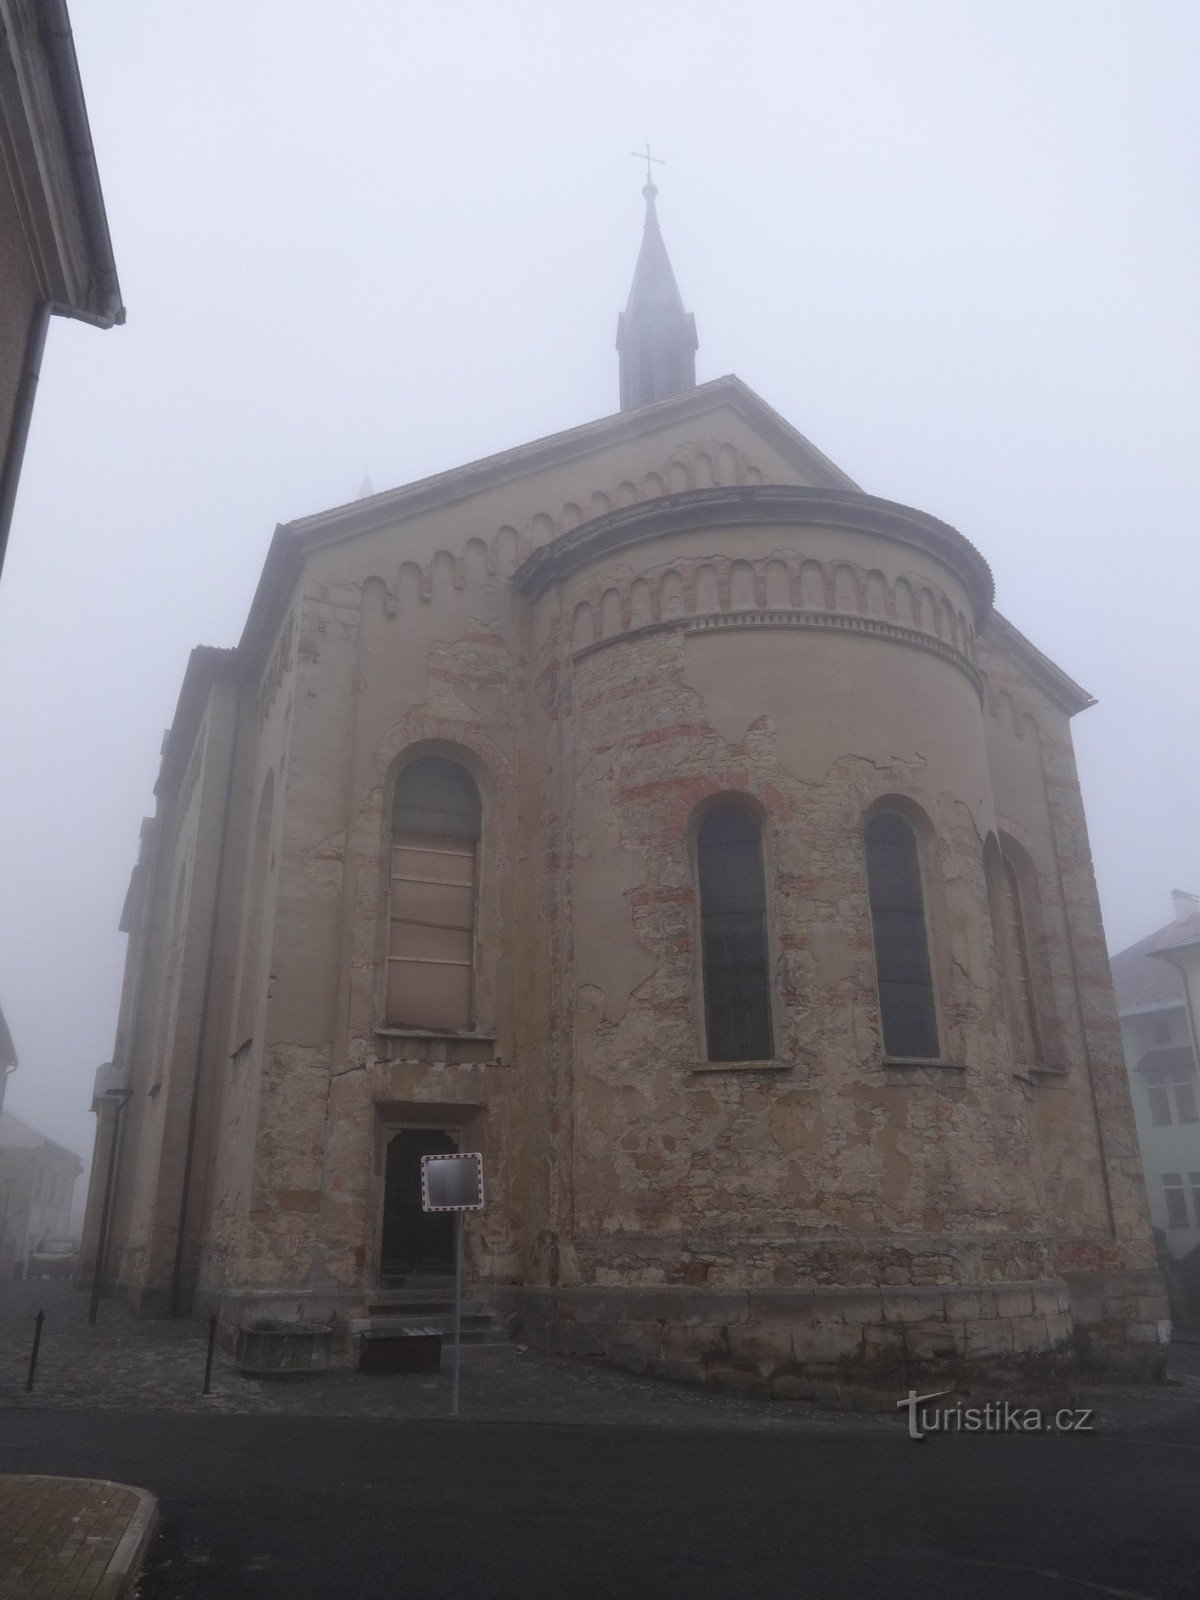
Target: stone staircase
(428,1302)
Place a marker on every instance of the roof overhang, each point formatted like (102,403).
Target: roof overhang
(1052,680)
(46,145)
(758,504)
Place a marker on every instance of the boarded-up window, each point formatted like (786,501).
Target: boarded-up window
(733,922)
(435,849)
(901,943)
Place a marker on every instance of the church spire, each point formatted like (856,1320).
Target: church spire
(656,337)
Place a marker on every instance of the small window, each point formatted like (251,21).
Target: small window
(1171,1086)
(733,937)
(1160,1105)
(435,846)
(1177,1212)
(902,969)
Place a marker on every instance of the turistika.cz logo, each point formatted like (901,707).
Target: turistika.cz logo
(997,1416)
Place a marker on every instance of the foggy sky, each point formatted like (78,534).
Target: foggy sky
(955,244)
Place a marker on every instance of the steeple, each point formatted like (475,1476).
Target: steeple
(656,337)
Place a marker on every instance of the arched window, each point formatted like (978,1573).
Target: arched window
(1014,960)
(435,849)
(252,954)
(733,937)
(902,972)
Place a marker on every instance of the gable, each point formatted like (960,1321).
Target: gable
(498,511)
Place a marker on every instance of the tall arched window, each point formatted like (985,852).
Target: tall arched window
(1014,959)
(733,937)
(435,849)
(252,954)
(902,971)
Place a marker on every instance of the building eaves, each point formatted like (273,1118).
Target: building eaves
(104,291)
(1142,983)
(16,1134)
(1182,935)
(205,665)
(760,503)
(1063,690)
(47,149)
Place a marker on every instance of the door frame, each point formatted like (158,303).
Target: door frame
(461,1121)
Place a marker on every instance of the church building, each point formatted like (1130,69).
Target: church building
(657,813)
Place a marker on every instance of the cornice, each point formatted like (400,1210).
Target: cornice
(1052,680)
(784,617)
(759,504)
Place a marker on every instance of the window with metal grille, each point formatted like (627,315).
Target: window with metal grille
(902,971)
(436,817)
(1177,1211)
(733,937)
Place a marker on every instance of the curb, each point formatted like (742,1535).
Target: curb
(124,1569)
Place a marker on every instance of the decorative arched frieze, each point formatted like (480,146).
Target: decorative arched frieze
(718,592)
(692,466)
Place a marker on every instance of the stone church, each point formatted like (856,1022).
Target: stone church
(654,811)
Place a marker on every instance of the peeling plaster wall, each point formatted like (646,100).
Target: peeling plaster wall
(825,1213)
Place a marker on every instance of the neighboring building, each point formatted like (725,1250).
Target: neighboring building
(8,1058)
(654,811)
(55,253)
(37,1186)
(1160,1055)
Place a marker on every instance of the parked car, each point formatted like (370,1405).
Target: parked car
(53,1258)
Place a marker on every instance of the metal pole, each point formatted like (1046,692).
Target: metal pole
(208,1360)
(33,1354)
(458,1254)
(102,1240)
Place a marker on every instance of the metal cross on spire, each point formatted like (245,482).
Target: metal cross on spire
(644,155)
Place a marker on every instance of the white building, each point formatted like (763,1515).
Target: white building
(37,1186)
(1160,1054)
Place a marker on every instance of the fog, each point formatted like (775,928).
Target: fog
(955,244)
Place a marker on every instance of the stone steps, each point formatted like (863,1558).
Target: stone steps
(391,1311)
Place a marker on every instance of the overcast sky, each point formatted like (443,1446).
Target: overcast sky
(954,243)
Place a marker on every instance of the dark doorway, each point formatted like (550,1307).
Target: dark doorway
(414,1240)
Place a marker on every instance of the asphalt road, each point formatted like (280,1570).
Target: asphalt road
(333,1508)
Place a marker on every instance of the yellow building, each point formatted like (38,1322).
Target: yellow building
(656,812)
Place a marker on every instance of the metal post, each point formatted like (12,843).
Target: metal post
(458,1255)
(33,1354)
(208,1360)
(102,1240)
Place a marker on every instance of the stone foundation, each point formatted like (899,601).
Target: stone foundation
(856,1347)
(1122,1323)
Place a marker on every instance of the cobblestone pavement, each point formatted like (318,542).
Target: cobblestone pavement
(71,1538)
(143,1365)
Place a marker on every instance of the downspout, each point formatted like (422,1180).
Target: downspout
(202,1035)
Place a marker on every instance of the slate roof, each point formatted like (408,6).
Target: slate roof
(1143,981)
